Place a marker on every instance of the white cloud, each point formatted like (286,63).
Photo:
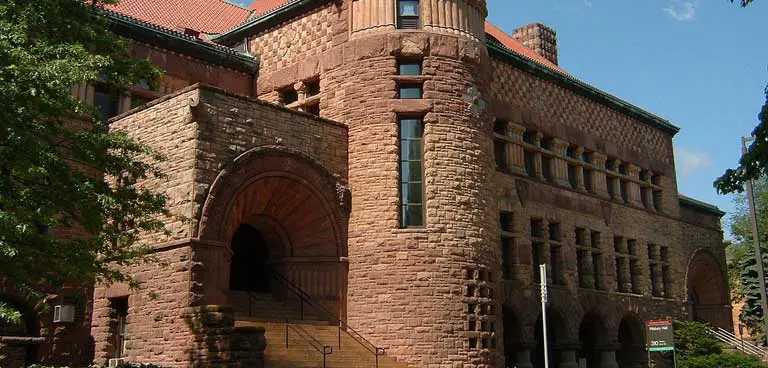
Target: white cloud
(682,10)
(690,161)
(588,3)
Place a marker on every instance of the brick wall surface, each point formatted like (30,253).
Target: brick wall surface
(556,111)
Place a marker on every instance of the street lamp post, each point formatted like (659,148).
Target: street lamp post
(756,240)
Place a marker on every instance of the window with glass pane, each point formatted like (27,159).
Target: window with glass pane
(107,102)
(411,173)
(408,14)
(409,67)
(409,91)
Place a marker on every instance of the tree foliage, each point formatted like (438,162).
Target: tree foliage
(742,265)
(62,171)
(697,348)
(754,163)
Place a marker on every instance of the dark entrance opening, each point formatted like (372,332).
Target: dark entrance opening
(591,335)
(249,270)
(511,337)
(632,351)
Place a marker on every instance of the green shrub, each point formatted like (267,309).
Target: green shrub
(726,360)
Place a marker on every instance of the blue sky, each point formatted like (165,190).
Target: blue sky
(701,64)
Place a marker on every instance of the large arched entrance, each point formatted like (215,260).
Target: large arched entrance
(592,336)
(708,294)
(280,216)
(631,352)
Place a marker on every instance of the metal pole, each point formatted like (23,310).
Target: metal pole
(650,364)
(756,240)
(543,278)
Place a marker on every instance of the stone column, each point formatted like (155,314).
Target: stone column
(523,358)
(608,359)
(599,181)
(580,170)
(537,157)
(633,188)
(301,91)
(616,195)
(568,359)
(515,153)
(559,164)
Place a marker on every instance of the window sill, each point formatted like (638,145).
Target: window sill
(411,230)
(415,79)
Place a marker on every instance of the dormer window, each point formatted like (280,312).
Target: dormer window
(408,14)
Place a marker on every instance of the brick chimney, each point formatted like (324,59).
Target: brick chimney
(540,39)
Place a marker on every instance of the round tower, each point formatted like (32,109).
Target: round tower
(424,264)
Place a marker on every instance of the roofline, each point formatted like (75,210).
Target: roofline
(699,205)
(266,20)
(139,30)
(574,85)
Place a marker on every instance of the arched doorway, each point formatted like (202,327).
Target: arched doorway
(708,291)
(592,336)
(286,229)
(557,335)
(249,269)
(631,354)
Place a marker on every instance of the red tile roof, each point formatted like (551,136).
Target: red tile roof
(217,16)
(263,6)
(206,16)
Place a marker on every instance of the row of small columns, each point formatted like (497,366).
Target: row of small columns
(568,356)
(516,162)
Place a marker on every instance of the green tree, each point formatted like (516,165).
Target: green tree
(740,255)
(754,163)
(61,169)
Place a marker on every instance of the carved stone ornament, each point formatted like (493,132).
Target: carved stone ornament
(344,197)
(607,210)
(523,191)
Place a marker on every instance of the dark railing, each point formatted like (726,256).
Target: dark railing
(305,300)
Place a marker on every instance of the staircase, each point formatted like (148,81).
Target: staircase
(300,333)
(736,343)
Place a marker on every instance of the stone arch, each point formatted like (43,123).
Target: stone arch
(593,338)
(631,342)
(290,207)
(707,290)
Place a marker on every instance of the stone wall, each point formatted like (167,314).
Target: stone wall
(200,131)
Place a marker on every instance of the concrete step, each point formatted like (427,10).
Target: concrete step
(305,347)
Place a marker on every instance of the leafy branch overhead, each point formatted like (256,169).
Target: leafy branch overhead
(754,163)
(70,209)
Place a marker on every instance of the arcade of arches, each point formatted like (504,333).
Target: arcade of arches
(281,219)
(590,345)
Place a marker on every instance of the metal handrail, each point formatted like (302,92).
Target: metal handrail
(342,325)
(739,344)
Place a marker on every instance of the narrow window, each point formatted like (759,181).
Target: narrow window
(411,173)
(288,96)
(409,67)
(107,103)
(506,219)
(313,88)
(119,317)
(408,14)
(409,91)
(597,260)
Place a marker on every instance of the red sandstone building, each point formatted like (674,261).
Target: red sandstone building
(396,167)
